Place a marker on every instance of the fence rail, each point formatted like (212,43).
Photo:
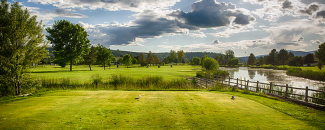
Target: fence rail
(306,95)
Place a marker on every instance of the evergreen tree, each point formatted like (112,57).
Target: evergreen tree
(150,58)
(309,59)
(251,59)
(283,57)
(141,59)
(21,44)
(272,57)
(69,41)
(320,53)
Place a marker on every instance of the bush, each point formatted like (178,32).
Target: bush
(210,63)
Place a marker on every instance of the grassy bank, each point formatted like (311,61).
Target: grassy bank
(82,74)
(155,110)
(309,74)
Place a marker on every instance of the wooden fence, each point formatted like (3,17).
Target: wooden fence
(305,95)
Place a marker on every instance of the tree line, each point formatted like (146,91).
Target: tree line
(283,57)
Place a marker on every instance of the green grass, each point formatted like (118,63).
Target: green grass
(155,110)
(83,74)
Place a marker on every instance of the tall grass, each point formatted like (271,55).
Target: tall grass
(309,74)
(121,82)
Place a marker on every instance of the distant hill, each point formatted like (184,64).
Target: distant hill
(188,55)
(163,55)
(296,53)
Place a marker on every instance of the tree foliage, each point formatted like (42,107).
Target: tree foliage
(320,53)
(181,56)
(234,61)
(196,61)
(69,41)
(296,61)
(309,59)
(261,61)
(21,44)
(272,57)
(150,58)
(283,57)
(127,60)
(229,54)
(91,57)
(173,56)
(142,59)
(251,59)
(210,63)
(103,55)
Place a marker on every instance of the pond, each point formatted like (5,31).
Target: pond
(278,77)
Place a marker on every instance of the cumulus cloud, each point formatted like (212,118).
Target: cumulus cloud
(301,39)
(320,14)
(193,47)
(112,5)
(150,23)
(312,8)
(200,34)
(216,41)
(287,4)
(315,41)
(64,13)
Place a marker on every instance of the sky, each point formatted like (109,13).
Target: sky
(244,26)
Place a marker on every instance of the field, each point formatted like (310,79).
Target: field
(83,74)
(155,110)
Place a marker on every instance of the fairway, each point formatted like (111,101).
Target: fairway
(154,110)
(83,74)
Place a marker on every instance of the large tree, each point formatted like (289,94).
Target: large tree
(283,57)
(150,59)
(229,54)
(103,55)
(251,59)
(69,41)
(234,61)
(173,56)
(181,56)
(320,53)
(261,61)
(309,59)
(91,57)
(21,44)
(141,59)
(271,59)
(127,60)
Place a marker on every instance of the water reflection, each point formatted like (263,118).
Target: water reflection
(269,75)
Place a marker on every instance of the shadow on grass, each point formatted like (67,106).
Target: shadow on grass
(59,71)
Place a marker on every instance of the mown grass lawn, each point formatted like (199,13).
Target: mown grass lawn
(83,74)
(154,110)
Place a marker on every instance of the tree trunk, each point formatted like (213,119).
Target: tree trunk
(71,65)
(104,65)
(89,66)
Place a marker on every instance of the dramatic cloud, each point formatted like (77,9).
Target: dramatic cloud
(301,39)
(112,5)
(64,13)
(320,14)
(315,41)
(310,9)
(150,24)
(216,41)
(287,4)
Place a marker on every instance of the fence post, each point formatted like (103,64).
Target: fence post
(306,95)
(286,93)
(247,84)
(237,83)
(241,83)
(270,90)
(257,87)
(229,81)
